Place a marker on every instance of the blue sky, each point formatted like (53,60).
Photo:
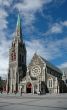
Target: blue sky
(44,28)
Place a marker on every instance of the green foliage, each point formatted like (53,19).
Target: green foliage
(1,83)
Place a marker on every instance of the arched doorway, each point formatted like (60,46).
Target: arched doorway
(28,87)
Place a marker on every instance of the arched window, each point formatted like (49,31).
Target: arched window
(50,83)
(14,56)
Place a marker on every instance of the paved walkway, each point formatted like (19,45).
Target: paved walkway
(33,102)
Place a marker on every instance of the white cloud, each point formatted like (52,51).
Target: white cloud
(29,8)
(31,5)
(32,47)
(4,49)
(51,51)
(3,24)
(3,21)
(5,2)
(64,65)
(4,43)
(3,13)
(56,28)
(64,23)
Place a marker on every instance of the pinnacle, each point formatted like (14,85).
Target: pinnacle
(18,27)
(18,22)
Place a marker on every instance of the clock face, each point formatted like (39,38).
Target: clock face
(35,71)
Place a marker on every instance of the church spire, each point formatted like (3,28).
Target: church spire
(18,22)
(18,28)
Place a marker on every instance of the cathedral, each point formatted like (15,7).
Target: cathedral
(40,76)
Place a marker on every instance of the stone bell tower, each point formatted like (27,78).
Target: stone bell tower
(17,60)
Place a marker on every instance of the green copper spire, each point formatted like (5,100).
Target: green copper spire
(18,28)
(18,22)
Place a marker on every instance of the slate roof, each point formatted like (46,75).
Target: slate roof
(51,65)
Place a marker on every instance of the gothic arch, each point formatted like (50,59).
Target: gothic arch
(28,87)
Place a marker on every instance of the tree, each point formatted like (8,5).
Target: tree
(1,84)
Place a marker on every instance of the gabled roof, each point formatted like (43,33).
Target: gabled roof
(48,64)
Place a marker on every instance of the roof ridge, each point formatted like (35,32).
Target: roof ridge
(51,65)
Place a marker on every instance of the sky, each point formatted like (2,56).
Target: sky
(44,29)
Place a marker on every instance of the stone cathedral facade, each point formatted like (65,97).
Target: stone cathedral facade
(42,77)
(39,76)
